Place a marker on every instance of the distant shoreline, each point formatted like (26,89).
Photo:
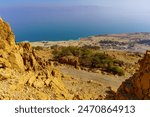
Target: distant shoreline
(132,42)
(83,38)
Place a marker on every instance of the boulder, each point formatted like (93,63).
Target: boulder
(16,61)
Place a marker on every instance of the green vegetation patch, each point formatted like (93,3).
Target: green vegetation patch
(90,58)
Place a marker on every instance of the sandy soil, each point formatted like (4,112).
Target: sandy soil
(90,85)
(105,80)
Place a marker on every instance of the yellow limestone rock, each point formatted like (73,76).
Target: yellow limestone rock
(16,61)
(23,75)
(137,86)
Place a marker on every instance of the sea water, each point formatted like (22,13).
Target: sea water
(56,23)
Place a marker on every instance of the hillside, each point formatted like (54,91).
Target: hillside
(23,75)
(96,67)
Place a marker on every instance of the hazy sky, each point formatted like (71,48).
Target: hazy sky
(133,7)
(142,4)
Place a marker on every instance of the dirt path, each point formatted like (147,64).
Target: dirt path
(106,80)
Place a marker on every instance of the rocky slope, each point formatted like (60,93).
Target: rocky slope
(23,75)
(26,74)
(138,86)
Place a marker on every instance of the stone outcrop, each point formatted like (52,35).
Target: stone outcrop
(23,75)
(7,40)
(71,60)
(138,86)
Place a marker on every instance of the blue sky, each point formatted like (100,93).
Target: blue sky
(133,7)
(125,6)
(48,2)
(115,3)
(35,2)
(72,1)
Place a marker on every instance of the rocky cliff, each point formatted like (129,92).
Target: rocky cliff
(23,75)
(138,86)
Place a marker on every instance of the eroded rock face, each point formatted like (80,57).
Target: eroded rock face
(7,40)
(138,86)
(23,75)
